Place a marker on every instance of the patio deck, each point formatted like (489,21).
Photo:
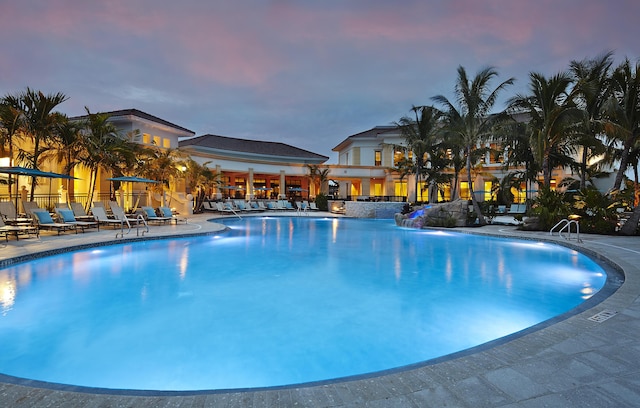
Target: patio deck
(576,362)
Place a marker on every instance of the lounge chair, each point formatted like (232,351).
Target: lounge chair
(136,222)
(10,214)
(101,216)
(44,221)
(209,206)
(29,207)
(68,217)
(255,206)
(17,230)
(227,208)
(167,212)
(79,213)
(151,215)
(313,206)
(301,207)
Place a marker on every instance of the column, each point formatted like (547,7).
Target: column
(283,187)
(250,192)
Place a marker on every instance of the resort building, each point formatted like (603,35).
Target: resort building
(367,169)
(244,168)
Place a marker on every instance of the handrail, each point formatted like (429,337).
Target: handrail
(140,218)
(565,224)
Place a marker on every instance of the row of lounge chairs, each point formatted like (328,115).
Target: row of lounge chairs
(240,206)
(75,217)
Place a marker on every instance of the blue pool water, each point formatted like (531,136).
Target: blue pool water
(276,301)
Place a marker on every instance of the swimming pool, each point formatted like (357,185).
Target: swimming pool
(277,301)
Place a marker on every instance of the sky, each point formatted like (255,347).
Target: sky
(306,73)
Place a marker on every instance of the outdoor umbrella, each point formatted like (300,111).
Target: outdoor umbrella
(133,179)
(25,171)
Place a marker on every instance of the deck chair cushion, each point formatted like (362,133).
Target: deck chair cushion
(67,215)
(149,211)
(43,216)
(166,212)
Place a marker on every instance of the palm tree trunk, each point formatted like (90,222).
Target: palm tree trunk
(624,160)
(631,226)
(583,169)
(476,206)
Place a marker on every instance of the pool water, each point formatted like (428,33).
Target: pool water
(276,301)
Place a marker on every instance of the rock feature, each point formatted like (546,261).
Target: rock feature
(452,214)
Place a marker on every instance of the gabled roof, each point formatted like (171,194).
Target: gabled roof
(222,144)
(142,115)
(373,132)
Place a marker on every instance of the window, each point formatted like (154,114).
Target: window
(378,158)
(398,155)
(166,143)
(146,138)
(156,141)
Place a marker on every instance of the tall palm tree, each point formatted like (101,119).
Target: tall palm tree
(591,78)
(105,149)
(421,134)
(553,118)
(622,125)
(11,118)
(470,119)
(68,145)
(518,153)
(40,124)
(162,165)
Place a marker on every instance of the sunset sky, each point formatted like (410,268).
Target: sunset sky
(307,73)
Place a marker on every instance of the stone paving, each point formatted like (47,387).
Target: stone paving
(574,362)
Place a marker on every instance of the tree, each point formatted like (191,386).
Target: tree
(471,119)
(318,177)
(104,149)
(162,165)
(40,123)
(422,138)
(553,118)
(591,89)
(622,125)
(11,118)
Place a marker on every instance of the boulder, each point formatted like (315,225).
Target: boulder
(452,214)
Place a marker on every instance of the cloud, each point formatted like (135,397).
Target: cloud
(309,72)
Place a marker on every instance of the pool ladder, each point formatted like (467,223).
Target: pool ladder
(565,225)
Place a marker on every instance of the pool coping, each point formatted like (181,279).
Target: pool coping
(481,367)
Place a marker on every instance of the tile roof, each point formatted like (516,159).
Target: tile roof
(224,143)
(142,115)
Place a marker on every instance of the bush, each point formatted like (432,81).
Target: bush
(322,202)
(549,207)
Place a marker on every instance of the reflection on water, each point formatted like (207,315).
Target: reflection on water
(276,301)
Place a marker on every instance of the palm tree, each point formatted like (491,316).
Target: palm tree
(553,117)
(11,118)
(421,134)
(68,145)
(104,149)
(470,119)
(162,165)
(40,124)
(518,153)
(592,88)
(622,125)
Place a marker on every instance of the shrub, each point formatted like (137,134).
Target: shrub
(322,202)
(549,207)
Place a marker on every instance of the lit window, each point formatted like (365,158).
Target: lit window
(156,140)
(378,158)
(166,143)
(146,138)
